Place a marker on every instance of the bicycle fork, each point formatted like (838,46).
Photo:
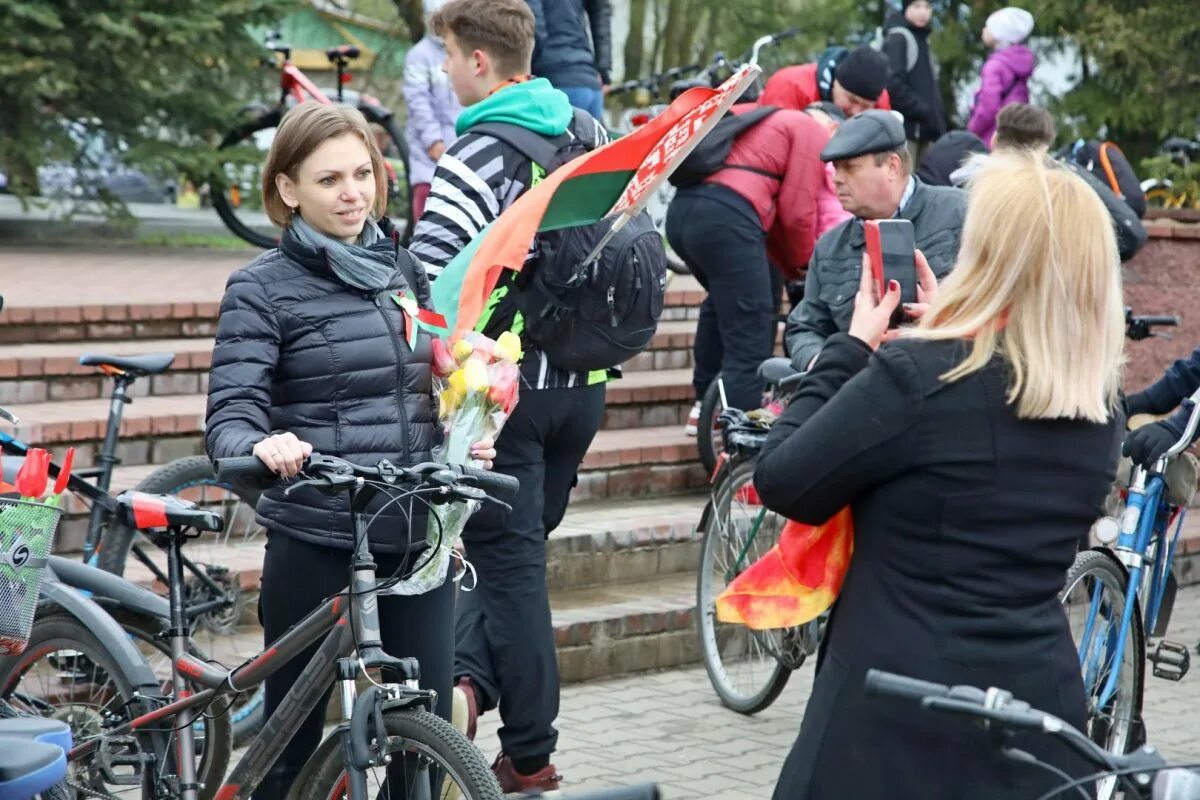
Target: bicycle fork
(363,732)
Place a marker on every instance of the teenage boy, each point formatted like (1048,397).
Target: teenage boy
(505,651)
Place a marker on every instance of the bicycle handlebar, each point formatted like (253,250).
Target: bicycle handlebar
(1189,432)
(999,708)
(339,474)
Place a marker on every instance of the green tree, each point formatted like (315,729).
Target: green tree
(162,77)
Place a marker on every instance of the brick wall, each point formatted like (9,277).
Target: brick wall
(1164,278)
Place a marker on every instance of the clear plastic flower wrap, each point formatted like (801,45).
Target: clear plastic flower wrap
(476,381)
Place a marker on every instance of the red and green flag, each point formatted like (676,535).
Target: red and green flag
(609,182)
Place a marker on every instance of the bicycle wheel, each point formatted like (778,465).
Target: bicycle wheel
(213,733)
(745,667)
(236,190)
(1093,598)
(66,674)
(709,442)
(428,744)
(227,634)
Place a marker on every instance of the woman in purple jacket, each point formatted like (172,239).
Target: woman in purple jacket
(432,111)
(1006,71)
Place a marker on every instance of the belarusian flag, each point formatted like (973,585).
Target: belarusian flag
(611,180)
(796,580)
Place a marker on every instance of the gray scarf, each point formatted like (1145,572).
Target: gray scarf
(355,264)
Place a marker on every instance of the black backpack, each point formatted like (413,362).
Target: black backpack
(712,154)
(583,316)
(1106,161)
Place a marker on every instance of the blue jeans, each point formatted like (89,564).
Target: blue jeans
(587,98)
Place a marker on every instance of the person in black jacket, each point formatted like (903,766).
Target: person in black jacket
(973,452)
(913,84)
(564,54)
(1150,442)
(310,355)
(1025,127)
(947,155)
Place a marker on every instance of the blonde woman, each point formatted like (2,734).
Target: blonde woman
(974,450)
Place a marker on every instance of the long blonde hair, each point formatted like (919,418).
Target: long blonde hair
(1038,281)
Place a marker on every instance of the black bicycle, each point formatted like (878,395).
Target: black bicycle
(235,191)
(387,733)
(1142,774)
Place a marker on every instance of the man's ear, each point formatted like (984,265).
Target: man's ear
(287,191)
(483,63)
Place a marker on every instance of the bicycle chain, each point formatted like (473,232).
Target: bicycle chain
(89,791)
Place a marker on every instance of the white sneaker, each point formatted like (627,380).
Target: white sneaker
(693,422)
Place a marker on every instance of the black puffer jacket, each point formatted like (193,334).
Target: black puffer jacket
(298,350)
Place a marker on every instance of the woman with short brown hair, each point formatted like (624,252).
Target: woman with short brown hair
(310,354)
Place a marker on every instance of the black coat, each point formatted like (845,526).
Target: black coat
(563,52)
(914,92)
(966,520)
(298,350)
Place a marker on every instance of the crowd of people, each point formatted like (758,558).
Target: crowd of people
(974,445)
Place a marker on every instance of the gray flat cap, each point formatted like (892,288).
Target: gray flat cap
(871,131)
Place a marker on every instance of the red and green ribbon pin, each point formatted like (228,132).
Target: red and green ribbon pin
(417,319)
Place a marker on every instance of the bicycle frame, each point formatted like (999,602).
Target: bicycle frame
(1143,548)
(347,627)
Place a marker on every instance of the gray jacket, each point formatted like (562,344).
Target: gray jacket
(833,273)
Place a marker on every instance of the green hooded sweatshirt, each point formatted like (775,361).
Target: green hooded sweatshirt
(534,105)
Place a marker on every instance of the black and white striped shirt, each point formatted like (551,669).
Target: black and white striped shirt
(476,179)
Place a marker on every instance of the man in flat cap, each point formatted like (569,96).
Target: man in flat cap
(853,80)
(873,176)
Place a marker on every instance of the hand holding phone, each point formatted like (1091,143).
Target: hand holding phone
(891,248)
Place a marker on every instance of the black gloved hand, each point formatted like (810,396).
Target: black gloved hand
(1148,443)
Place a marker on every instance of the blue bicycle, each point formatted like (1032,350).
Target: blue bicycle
(1121,593)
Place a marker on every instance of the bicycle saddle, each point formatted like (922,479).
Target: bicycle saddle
(343,51)
(33,755)
(147,512)
(776,370)
(138,366)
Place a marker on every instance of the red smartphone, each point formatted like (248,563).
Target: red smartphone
(892,247)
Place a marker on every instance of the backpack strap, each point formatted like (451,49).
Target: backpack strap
(539,149)
(910,46)
(1109,173)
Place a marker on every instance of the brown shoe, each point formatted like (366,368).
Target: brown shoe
(466,689)
(544,780)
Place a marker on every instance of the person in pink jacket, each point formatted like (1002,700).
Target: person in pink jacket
(1005,76)
(767,206)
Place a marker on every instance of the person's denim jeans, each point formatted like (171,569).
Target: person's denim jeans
(588,98)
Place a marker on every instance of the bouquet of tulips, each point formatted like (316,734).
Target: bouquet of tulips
(27,528)
(476,381)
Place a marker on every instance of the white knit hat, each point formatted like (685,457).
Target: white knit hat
(432,6)
(1010,25)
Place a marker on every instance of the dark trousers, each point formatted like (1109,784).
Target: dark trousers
(297,576)
(716,232)
(505,642)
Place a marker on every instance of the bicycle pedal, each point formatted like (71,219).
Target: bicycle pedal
(1171,660)
(121,761)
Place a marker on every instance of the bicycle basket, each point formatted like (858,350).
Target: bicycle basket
(26,539)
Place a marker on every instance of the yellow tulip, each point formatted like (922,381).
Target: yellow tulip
(476,376)
(462,350)
(457,382)
(448,402)
(508,347)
